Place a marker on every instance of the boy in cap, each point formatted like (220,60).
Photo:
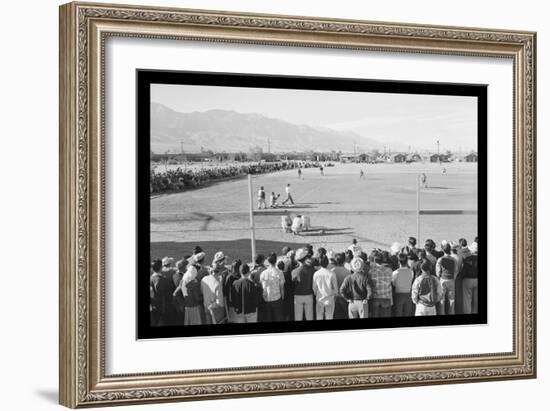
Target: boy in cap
(357,290)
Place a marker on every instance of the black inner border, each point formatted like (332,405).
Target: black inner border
(144,79)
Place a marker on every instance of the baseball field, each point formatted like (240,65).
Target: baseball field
(377,210)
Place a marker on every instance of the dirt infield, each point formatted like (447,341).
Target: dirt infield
(377,210)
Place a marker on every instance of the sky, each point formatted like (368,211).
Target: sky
(398,119)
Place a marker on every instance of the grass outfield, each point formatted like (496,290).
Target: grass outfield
(377,210)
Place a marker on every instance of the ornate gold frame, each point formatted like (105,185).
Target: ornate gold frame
(83,30)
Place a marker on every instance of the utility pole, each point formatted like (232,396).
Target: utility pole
(438,158)
(181,146)
(268,145)
(202,165)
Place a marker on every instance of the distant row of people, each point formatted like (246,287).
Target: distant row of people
(304,284)
(181,179)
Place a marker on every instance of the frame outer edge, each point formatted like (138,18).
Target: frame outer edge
(77,389)
(68,325)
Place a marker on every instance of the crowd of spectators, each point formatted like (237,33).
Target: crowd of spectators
(304,284)
(182,178)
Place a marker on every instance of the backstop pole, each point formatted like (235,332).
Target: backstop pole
(251,208)
(418,208)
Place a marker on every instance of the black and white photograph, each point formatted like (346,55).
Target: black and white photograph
(288,204)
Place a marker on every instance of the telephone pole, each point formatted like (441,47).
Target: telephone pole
(268,145)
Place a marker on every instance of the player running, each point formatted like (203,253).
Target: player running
(322,170)
(299,173)
(288,195)
(361,174)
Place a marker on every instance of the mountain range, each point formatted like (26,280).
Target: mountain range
(230,131)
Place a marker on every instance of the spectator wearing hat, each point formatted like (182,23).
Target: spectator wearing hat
(470,281)
(160,295)
(402,279)
(356,289)
(325,288)
(245,296)
(273,282)
(302,279)
(340,303)
(445,269)
(213,301)
(426,292)
(381,277)
(233,275)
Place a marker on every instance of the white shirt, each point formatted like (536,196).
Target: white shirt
(296,223)
(272,280)
(287,189)
(325,285)
(189,276)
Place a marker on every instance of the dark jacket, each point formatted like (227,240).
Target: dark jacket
(194,294)
(470,268)
(245,295)
(356,286)
(302,278)
(445,267)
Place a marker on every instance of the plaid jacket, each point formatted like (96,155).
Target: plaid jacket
(381,280)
